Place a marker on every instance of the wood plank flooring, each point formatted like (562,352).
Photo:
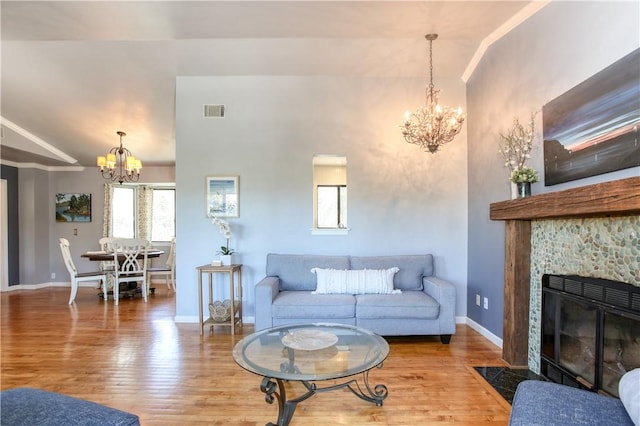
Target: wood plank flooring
(135,358)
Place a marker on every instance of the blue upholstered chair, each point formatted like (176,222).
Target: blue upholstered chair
(28,407)
(539,403)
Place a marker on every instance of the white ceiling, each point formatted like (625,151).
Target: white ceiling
(74,72)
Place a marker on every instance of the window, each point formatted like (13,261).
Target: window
(127,211)
(123,212)
(332,206)
(330,193)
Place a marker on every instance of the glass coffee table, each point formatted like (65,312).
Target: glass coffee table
(308,353)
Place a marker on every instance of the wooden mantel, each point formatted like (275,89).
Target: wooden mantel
(615,198)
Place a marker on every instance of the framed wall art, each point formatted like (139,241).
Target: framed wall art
(223,196)
(594,127)
(73,207)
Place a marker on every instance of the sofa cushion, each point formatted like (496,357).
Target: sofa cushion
(354,281)
(28,406)
(408,304)
(303,304)
(294,270)
(412,268)
(629,391)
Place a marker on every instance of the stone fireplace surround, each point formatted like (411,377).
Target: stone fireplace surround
(607,247)
(592,231)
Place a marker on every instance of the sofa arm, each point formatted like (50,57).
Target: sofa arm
(445,294)
(266,291)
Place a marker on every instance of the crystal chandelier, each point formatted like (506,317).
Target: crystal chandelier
(433,125)
(119,164)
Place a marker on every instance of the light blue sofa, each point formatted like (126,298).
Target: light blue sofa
(426,305)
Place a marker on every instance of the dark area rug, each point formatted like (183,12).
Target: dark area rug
(505,380)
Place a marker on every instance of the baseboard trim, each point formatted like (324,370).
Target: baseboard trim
(188,319)
(84,284)
(484,332)
(91,284)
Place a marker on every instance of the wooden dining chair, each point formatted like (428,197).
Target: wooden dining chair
(130,256)
(168,271)
(106,245)
(77,277)
(108,266)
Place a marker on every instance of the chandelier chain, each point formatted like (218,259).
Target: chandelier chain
(431,86)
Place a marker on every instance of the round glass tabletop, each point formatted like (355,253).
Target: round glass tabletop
(310,352)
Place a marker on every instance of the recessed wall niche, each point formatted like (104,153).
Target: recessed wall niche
(329,193)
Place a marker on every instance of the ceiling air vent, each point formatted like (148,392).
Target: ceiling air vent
(214,111)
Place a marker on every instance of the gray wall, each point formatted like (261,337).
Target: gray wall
(561,46)
(10,174)
(401,200)
(34,225)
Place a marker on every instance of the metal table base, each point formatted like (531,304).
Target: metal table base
(274,389)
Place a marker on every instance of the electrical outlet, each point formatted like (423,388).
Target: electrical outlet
(53,275)
(486,303)
(478,299)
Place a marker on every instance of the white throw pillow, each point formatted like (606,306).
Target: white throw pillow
(629,391)
(354,281)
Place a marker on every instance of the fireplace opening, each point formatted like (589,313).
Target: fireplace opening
(590,331)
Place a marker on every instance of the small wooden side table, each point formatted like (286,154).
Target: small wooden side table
(234,295)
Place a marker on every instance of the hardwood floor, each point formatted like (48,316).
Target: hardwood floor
(135,358)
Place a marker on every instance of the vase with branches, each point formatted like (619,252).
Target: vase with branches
(515,148)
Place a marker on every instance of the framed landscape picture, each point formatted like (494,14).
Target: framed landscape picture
(223,196)
(594,127)
(73,207)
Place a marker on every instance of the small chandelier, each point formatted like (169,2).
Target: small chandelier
(119,164)
(433,125)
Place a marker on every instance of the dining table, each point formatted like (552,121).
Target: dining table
(106,256)
(127,289)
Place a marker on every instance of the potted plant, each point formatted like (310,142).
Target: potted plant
(226,253)
(523,178)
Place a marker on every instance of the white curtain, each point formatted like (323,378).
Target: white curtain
(145,211)
(106,217)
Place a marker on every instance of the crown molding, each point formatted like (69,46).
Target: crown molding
(517,19)
(41,167)
(40,142)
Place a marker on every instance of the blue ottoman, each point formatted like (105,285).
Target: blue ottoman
(34,407)
(538,403)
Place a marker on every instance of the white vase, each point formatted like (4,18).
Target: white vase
(227,259)
(514,190)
